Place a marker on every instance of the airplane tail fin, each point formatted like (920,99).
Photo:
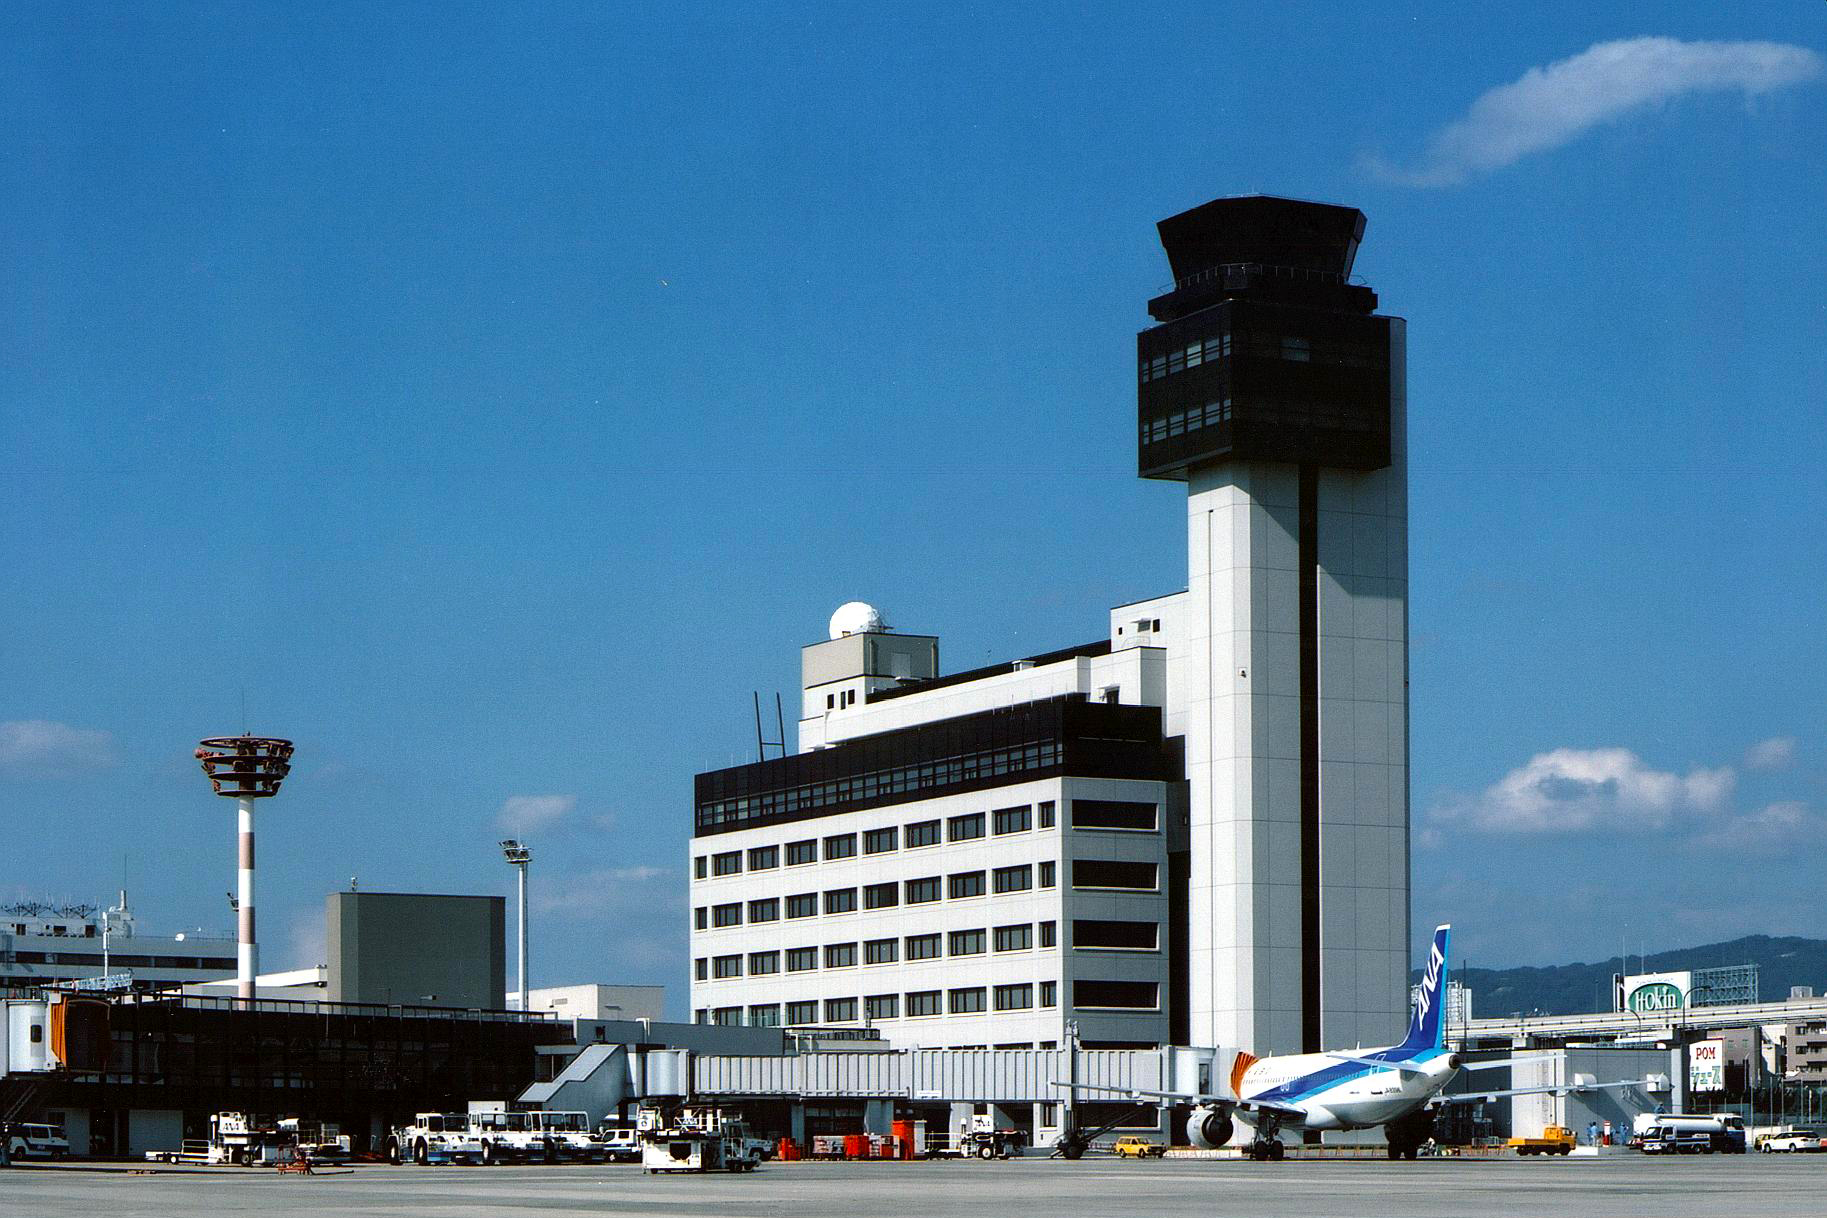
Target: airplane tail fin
(1426,1028)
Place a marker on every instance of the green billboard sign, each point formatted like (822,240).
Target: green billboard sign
(1656,998)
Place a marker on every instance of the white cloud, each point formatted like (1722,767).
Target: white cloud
(1786,824)
(526,813)
(1569,790)
(1772,754)
(635,917)
(39,746)
(1553,105)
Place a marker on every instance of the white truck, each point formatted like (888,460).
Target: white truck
(536,1136)
(435,1137)
(621,1142)
(1688,1133)
(695,1140)
(30,1140)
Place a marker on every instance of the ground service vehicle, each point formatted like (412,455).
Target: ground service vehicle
(35,1141)
(1689,1133)
(694,1140)
(1792,1141)
(985,1141)
(621,1143)
(1555,1140)
(1131,1146)
(435,1137)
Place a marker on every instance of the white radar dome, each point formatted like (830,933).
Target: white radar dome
(856,617)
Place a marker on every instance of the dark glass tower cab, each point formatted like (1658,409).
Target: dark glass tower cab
(1266,350)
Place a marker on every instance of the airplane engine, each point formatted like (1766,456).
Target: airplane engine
(1209,1128)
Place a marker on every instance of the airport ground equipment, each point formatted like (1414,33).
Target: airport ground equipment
(1689,1133)
(1793,1141)
(621,1143)
(1555,1140)
(435,1137)
(694,1139)
(1134,1146)
(983,1140)
(29,1140)
(536,1136)
(1074,1142)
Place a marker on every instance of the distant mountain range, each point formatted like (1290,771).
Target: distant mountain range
(1568,989)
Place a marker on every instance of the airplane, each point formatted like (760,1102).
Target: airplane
(1397,1087)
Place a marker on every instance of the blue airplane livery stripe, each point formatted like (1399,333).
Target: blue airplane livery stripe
(1311,1084)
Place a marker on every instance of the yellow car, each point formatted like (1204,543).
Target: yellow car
(1137,1148)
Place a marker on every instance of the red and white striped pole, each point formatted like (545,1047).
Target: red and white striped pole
(245,768)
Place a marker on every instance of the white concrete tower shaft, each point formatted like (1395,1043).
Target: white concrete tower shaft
(522,869)
(1252,887)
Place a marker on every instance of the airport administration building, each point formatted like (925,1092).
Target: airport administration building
(1192,830)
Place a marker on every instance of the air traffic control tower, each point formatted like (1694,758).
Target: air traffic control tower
(1274,390)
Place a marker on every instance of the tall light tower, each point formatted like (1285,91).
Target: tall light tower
(518,855)
(245,768)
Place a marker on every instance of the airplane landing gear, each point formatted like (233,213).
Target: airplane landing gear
(1267,1150)
(1407,1135)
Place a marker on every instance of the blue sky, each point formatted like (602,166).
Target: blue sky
(493,399)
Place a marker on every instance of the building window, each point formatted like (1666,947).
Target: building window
(1048,877)
(801,853)
(802,959)
(727,915)
(1113,814)
(1014,938)
(967,942)
(1117,995)
(701,968)
(840,955)
(882,1006)
(724,967)
(1049,934)
(1014,997)
(700,917)
(1049,993)
(1013,879)
(1011,820)
(729,863)
(830,701)
(800,1014)
(840,846)
(767,909)
(700,867)
(1115,936)
(967,1001)
(765,1015)
(923,833)
(802,905)
(924,1002)
(729,1017)
(924,947)
(840,1010)
(764,858)
(1106,873)
(763,963)
(1046,814)
(964,828)
(840,900)
(879,841)
(702,1016)
(966,884)
(882,896)
(922,890)
(881,951)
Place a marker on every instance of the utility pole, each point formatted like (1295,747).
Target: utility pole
(518,855)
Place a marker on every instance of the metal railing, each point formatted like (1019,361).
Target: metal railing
(1271,269)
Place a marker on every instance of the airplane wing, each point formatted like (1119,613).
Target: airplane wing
(1293,1116)
(1562,1088)
(1404,1066)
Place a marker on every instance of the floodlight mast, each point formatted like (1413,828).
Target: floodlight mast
(245,768)
(518,855)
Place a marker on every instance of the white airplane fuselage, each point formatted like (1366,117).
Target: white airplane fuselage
(1337,1094)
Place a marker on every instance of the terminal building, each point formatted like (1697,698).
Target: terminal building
(1192,829)
(42,943)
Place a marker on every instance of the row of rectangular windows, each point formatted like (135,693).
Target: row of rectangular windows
(1280,414)
(968,827)
(968,1000)
(1086,814)
(1095,874)
(1297,350)
(932,946)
